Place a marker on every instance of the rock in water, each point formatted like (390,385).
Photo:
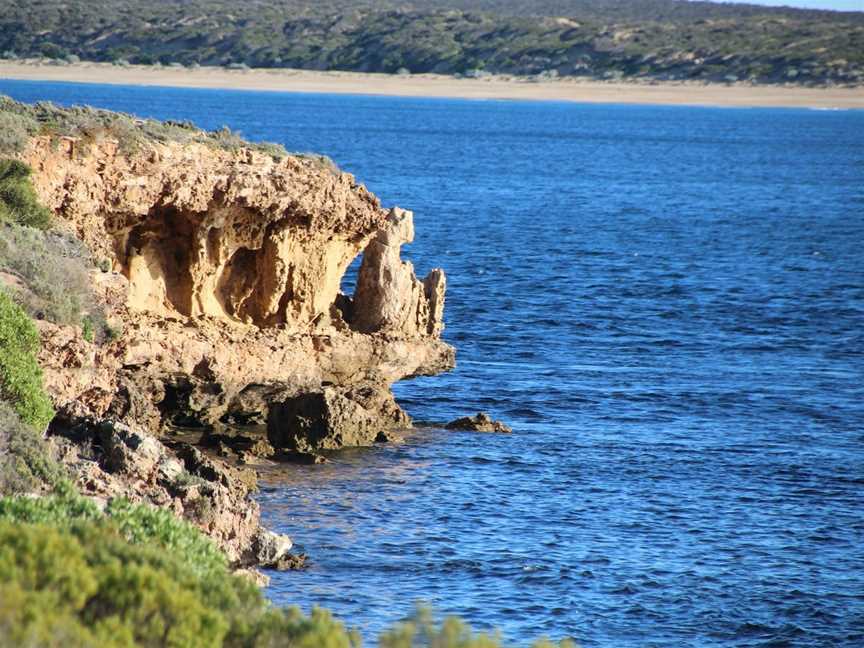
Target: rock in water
(292,562)
(482,422)
(332,418)
(271,548)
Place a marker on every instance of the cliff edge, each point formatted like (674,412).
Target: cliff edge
(221,271)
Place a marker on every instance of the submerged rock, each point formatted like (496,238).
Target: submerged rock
(481,422)
(292,562)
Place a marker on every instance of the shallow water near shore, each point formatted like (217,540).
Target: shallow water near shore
(667,304)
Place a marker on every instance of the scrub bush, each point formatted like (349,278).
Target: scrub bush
(99,589)
(52,267)
(25,461)
(18,201)
(138,524)
(15,130)
(420,630)
(19,122)
(133,575)
(20,375)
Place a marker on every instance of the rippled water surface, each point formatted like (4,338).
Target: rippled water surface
(667,304)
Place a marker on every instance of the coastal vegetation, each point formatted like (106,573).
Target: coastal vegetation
(58,291)
(86,125)
(20,375)
(131,576)
(18,203)
(639,39)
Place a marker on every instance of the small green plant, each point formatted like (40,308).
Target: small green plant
(185,478)
(112,332)
(26,464)
(323,162)
(227,139)
(275,151)
(52,267)
(87,329)
(18,201)
(20,375)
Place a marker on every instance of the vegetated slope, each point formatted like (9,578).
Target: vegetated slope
(630,10)
(650,39)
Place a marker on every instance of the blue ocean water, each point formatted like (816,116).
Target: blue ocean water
(666,303)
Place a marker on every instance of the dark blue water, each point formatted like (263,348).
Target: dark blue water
(667,304)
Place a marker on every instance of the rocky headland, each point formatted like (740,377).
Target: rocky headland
(219,273)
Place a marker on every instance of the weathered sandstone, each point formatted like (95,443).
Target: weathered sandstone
(222,270)
(227,271)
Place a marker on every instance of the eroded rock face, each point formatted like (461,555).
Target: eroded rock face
(225,273)
(226,282)
(109,460)
(198,231)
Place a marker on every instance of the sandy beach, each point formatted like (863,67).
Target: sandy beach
(433,85)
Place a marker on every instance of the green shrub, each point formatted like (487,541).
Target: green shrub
(143,524)
(53,268)
(20,375)
(146,578)
(18,201)
(25,461)
(139,524)
(15,131)
(100,589)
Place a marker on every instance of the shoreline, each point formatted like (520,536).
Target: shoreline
(738,95)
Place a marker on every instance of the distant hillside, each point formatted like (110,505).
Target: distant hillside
(632,10)
(605,39)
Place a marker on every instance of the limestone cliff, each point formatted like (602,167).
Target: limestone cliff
(222,269)
(226,276)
